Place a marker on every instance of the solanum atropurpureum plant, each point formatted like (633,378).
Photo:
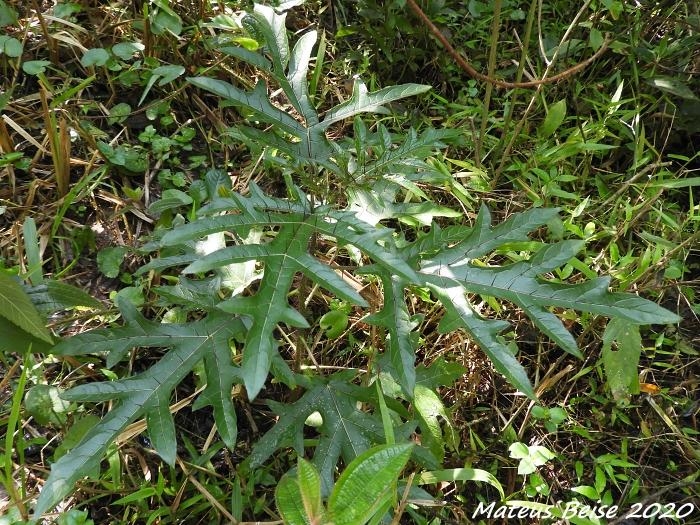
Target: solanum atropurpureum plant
(235,334)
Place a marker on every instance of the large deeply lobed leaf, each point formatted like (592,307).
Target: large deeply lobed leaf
(147,394)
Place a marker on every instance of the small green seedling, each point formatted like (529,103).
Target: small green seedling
(550,417)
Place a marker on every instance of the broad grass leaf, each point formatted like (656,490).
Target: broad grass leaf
(587,491)
(289,501)
(366,483)
(310,487)
(31,249)
(459,474)
(171,199)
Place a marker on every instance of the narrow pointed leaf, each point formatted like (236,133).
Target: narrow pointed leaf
(395,319)
(118,341)
(363,101)
(297,76)
(312,148)
(253,58)
(255,101)
(271,25)
(591,296)
(229,255)
(161,430)
(483,239)
(460,314)
(551,325)
(459,474)
(167,262)
(556,114)
(329,279)
(413,146)
(429,407)
(16,307)
(221,375)
(519,283)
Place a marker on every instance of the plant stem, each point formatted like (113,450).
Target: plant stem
(495,30)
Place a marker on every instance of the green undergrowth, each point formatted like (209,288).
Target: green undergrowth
(318,299)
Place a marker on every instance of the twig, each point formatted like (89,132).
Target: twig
(467,67)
